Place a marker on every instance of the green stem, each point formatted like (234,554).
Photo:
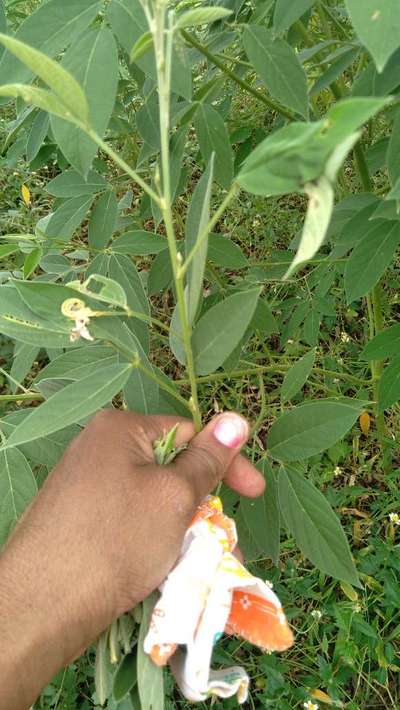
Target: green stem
(123,165)
(281,370)
(29,396)
(273,105)
(163,49)
(362,167)
(163,385)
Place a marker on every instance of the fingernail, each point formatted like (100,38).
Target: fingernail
(231,430)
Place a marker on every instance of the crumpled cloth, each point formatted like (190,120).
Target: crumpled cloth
(208,593)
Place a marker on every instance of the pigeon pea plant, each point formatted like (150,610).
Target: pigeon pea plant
(136,106)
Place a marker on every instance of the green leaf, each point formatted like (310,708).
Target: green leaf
(71,184)
(221,328)
(50,28)
(31,261)
(110,291)
(141,47)
(288,12)
(225,253)
(311,428)
(213,138)
(141,393)
(65,87)
(103,220)
(297,376)
(77,363)
(319,211)
(149,676)
(17,488)
(378,27)
(7,249)
(197,219)
(123,270)
(370,258)
(262,515)
(103,669)
(37,135)
(125,677)
(46,299)
(72,404)
(93,61)
(139,243)
(278,66)
(385,344)
(67,218)
(18,321)
(201,16)
(40,98)
(315,527)
(160,275)
(24,356)
(389,385)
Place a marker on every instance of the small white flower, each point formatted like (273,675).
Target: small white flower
(336,380)
(337,471)
(310,705)
(290,341)
(269,584)
(344,337)
(316,614)
(357,608)
(394,518)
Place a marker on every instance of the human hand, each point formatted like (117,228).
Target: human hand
(104,531)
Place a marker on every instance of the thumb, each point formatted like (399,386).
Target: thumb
(211,452)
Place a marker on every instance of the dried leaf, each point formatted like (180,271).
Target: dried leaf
(26,195)
(365,423)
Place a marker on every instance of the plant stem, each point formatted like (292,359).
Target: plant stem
(280,370)
(273,105)
(162,37)
(163,385)
(32,396)
(123,165)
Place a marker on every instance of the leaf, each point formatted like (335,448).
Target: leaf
(160,275)
(7,249)
(319,211)
(103,220)
(278,66)
(37,135)
(288,12)
(49,28)
(19,322)
(72,404)
(46,299)
(141,393)
(110,291)
(123,270)
(311,428)
(389,385)
(67,218)
(197,219)
(378,27)
(225,253)
(213,138)
(65,87)
(17,488)
(40,98)
(201,16)
(262,515)
(221,328)
(315,527)
(103,669)
(149,676)
(71,184)
(383,345)
(24,356)
(365,423)
(77,363)
(297,376)
(141,46)
(26,195)
(139,243)
(93,61)
(125,677)
(370,258)
(31,261)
